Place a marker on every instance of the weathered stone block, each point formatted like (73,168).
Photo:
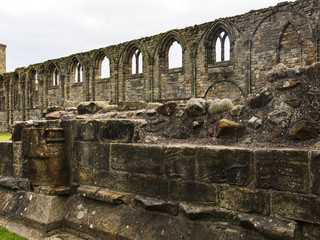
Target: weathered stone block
(117,131)
(14,183)
(179,162)
(6,159)
(82,176)
(285,169)
(50,172)
(243,199)
(86,130)
(111,179)
(311,231)
(17,128)
(137,158)
(260,100)
(167,109)
(224,165)
(112,197)
(148,186)
(194,212)
(92,154)
(270,227)
(47,212)
(192,192)
(315,172)
(298,207)
(160,205)
(229,129)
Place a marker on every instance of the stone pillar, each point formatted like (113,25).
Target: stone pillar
(44,151)
(2,58)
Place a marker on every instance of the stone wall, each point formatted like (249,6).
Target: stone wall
(98,182)
(287,33)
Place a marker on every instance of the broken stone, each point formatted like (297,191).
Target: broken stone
(313,71)
(302,130)
(279,71)
(54,109)
(180,114)
(68,117)
(108,108)
(255,122)
(153,105)
(17,128)
(317,145)
(279,118)
(91,107)
(260,100)
(229,129)
(151,139)
(87,191)
(151,112)
(205,212)
(17,184)
(154,204)
(196,107)
(298,70)
(129,106)
(291,83)
(196,124)
(112,197)
(219,106)
(55,115)
(167,109)
(293,101)
(237,110)
(270,227)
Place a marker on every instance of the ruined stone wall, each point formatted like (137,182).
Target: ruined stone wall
(2,58)
(252,44)
(99,182)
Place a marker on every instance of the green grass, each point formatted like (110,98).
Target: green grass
(5,136)
(6,235)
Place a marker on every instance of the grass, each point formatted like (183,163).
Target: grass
(5,136)
(6,235)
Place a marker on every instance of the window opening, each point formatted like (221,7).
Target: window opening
(222,47)
(55,77)
(78,74)
(137,63)
(175,55)
(105,68)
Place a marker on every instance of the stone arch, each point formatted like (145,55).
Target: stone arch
(266,43)
(127,57)
(75,70)
(133,85)
(98,59)
(53,74)
(101,87)
(16,91)
(32,88)
(290,46)
(213,34)
(226,89)
(164,47)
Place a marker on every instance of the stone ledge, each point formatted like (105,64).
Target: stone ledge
(104,195)
(160,205)
(270,227)
(14,183)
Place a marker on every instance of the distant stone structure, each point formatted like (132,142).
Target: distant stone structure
(224,58)
(2,58)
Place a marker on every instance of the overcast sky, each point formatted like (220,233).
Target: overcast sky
(38,30)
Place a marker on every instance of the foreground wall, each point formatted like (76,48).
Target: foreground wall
(250,45)
(91,179)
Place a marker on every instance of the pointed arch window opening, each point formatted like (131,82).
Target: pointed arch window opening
(175,56)
(36,81)
(136,62)
(55,77)
(105,68)
(222,47)
(78,73)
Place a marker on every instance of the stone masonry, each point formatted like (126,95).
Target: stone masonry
(250,45)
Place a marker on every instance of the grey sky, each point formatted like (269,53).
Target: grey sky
(39,30)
